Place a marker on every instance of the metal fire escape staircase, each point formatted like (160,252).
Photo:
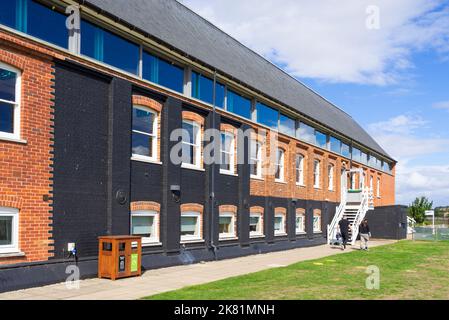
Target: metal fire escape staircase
(354,206)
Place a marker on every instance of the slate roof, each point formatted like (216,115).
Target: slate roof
(177,26)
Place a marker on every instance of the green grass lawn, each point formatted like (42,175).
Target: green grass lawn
(408,270)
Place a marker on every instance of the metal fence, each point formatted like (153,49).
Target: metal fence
(428,233)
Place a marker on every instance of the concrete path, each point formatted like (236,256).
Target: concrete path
(168,279)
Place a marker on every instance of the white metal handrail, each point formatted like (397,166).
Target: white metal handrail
(332,228)
(361,213)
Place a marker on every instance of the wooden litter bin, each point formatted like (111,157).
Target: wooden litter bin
(119,257)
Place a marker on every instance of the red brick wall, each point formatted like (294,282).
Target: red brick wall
(25,170)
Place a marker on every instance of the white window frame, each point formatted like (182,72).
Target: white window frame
(316,174)
(232,234)
(153,157)
(17,104)
(156,231)
(281,165)
(302,226)
(196,144)
(299,170)
(14,246)
(283,230)
(319,228)
(371,183)
(260,233)
(198,235)
(257,160)
(353,178)
(331,170)
(231,153)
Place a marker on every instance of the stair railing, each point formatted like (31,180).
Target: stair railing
(332,228)
(361,213)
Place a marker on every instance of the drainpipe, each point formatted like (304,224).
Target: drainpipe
(212,187)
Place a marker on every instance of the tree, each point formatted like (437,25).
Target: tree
(418,209)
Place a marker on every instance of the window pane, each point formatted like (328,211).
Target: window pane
(143,120)
(7,85)
(239,105)
(356,155)
(335,145)
(162,72)
(109,48)
(364,158)
(287,125)
(8,13)
(203,89)
(191,131)
(188,154)
(226,142)
(321,139)
(188,226)
(345,150)
(47,24)
(225,225)
(278,224)
(306,133)
(142,144)
(6,118)
(35,19)
(143,226)
(5,231)
(267,116)
(225,161)
(253,224)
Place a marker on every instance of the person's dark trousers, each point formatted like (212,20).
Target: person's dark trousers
(344,238)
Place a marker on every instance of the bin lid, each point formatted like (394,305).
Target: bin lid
(119,238)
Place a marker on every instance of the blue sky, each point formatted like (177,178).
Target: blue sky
(384,62)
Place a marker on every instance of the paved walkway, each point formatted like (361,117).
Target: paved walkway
(167,279)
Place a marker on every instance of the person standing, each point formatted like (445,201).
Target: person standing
(344,231)
(365,235)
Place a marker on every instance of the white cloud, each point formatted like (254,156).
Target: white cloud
(329,40)
(444,105)
(403,138)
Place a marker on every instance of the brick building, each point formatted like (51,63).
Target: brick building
(86,114)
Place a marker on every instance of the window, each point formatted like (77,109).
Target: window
(267,116)
(144,133)
(190,226)
(162,72)
(227,225)
(316,174)
(378,188)
(345,150)
(387,167)
(203,89)
(279,224)
(300,222)
(371,183)
(227,153)
(255,225)
(364,158)
(306,133)
(191,144)
(145,224)
(109,48)
(335,145)
(287,125)
(35,19)
(321,139)
(238,104)
(372,161)
(280,172)
(330,175)
(9,102)
(356,155)
(299,170)
(9,230)
(353,178)
(316,221)
(256,159)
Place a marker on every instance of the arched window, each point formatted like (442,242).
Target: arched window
(145,223)
(191,222)
(256,222)
(9,230)
(316,174)
(144,133)
(300,221)
(227,152)
(330,176)
(256,159)
(228,222)
(299,169)
(10,83)
(280,221)
(317,221)
(191,144)
(280,165)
